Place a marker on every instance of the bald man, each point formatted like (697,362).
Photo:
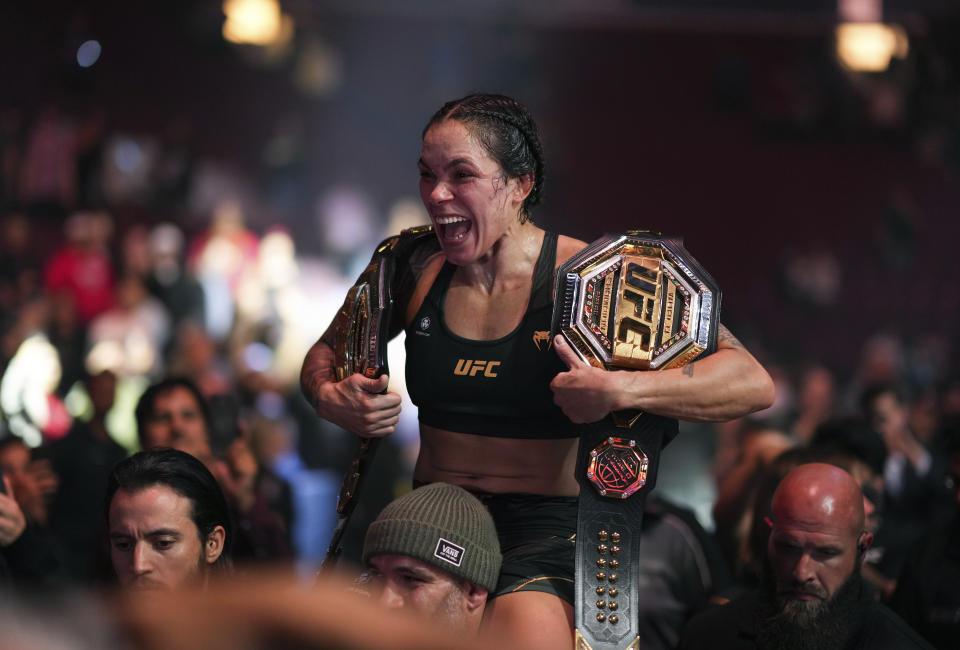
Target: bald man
(811,595)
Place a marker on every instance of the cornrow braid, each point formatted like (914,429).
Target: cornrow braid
(507,132)
(531,135)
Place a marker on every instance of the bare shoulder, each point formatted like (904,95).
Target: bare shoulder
(425,276)
(567,247)
(429,268)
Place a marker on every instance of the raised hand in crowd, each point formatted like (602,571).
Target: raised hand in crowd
(236,471)
(12,520)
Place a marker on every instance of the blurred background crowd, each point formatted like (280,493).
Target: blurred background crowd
(179,199)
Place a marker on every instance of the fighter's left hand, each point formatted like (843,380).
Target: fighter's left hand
(583,393)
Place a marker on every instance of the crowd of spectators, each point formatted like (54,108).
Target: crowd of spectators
(108,285)
(99,302)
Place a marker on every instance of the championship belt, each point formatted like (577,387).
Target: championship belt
(637,301)
(360,346)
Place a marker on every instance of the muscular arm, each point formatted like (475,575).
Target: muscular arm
(727,384)
(357,403)
(722,386)
(317,370)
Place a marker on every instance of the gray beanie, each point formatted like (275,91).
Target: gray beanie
(442,525)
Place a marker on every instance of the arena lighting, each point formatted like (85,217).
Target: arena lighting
(319,69)
(88,53)
(255,22)
(258,357)
(345,217)
(277,260)
(32,374)
(868,47)
(105,355)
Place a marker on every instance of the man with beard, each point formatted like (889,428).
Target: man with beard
(434,552)
(168,522)
(811,595)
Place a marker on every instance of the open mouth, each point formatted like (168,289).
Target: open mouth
(452,228)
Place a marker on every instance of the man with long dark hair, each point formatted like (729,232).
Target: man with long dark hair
(168,521)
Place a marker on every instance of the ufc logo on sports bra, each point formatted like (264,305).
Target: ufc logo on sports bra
(474,368)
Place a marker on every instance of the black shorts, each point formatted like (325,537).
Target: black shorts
(537,538)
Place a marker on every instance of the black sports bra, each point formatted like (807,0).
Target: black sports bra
(495,388)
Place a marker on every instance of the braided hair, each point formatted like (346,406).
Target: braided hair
(506,130)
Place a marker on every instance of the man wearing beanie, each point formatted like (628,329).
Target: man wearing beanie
(435,551)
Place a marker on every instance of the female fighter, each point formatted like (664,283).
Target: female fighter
(499,403)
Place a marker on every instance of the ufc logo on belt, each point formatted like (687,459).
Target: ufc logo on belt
(639,297)
(473,368)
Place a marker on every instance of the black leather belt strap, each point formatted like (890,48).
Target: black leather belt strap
(608,529)
(636,301)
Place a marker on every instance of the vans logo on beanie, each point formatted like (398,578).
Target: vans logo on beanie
(449,552)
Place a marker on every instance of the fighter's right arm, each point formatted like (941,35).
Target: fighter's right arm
(317,370)
(355,403)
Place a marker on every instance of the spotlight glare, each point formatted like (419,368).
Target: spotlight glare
(868,47)
(258,357)
(256,22)
(88,53)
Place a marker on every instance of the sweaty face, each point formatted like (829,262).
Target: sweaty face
(177,421)
(405,582)
(154,543)
(470,201)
